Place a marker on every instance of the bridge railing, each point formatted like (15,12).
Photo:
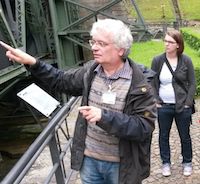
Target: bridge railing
(58,150)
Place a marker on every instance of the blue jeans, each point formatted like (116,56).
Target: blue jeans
(95,171)
(166,114)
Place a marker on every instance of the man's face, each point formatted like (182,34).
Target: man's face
(104,50)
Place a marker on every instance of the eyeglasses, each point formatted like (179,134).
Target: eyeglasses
(170,42)
(98,43)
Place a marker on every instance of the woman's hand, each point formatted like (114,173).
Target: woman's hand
(18,55)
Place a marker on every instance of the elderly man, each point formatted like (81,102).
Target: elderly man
(114,127)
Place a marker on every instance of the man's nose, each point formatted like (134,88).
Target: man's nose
(95,47)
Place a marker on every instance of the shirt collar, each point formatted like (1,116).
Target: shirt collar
(124,72)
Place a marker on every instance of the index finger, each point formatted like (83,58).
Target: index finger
(84,108)
(8,47)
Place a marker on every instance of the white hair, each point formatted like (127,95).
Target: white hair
(119,32)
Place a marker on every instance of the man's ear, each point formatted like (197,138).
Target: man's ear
(121,52)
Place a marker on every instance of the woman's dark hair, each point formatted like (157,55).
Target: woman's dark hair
(177,36)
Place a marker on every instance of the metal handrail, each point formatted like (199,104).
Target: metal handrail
(46,137)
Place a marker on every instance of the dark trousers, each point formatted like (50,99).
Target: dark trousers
(166,115)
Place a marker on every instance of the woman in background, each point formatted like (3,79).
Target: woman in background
(174,92)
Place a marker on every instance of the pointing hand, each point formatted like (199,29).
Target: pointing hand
(18,55)
(90,113)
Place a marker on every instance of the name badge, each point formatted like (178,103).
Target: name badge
(109,97)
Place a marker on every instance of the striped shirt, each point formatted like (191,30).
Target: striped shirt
(99,144)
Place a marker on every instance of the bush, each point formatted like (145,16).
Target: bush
(192,38)
(197,76)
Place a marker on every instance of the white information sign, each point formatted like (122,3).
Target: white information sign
(39,99)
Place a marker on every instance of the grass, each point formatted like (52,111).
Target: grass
(162,10)
(157,10)
(190,9)
(143,52)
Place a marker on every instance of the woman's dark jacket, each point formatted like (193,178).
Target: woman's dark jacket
(134,126)
(184,72)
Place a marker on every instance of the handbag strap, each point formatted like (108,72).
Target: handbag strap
(173,74)
(177,80)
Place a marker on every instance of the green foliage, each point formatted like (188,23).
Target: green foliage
(192,37)
(197,77)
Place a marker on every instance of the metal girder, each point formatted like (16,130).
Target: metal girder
(100,11)
(177,12)
(93,14)
(8,88)
(141,21)
(65,50)
(69,32)
(11,72)
(39,28)
(5,28)
(60,36)
(8,31)
(21,25)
